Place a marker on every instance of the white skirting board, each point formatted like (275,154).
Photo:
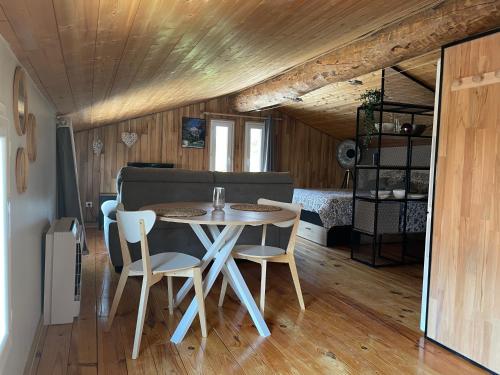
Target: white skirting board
(36,349)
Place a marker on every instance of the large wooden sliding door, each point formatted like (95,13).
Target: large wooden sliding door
(464,291)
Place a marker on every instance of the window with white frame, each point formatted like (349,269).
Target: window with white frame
(221,145)
(4,291)
(254,146)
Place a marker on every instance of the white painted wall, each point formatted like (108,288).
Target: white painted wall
(30,214)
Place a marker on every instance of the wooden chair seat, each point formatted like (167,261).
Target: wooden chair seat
(257,251)
(263,254)
(164,263)
(133,227)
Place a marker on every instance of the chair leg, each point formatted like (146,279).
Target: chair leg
(117,297)
(263,286)
(170,295)
(223,291)
(296,282)
(198,289)
(141,314)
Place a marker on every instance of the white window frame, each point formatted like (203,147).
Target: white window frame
(249,125)
(230,125)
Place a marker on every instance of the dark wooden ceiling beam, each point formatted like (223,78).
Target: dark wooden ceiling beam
(412,37)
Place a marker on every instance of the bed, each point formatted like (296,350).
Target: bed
(326,217)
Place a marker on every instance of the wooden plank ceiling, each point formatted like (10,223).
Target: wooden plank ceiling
(106,60)
(332,109)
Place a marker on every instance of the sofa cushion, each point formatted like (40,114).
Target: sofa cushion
(145,186)
(164,175)
(249,187)
(252,178)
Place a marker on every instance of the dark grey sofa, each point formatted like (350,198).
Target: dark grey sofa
(143,186)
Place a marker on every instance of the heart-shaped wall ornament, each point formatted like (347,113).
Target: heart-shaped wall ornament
(97,146)
(129,138)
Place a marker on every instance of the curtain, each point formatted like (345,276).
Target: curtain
(68,195)
(269,160)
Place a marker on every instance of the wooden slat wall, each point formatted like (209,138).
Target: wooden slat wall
(304,151)
(464,294)
(308,154)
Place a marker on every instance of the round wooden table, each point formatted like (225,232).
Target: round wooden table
(219,248)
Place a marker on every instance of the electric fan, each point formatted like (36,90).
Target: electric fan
(346,156)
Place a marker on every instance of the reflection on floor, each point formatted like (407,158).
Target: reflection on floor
(357,320)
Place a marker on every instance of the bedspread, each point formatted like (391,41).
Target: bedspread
(334,207)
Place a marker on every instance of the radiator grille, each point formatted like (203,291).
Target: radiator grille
(78,272)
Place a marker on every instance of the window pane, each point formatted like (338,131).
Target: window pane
(221,148)
(255,154)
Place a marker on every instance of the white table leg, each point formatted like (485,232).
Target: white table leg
(225,272)
(212,249)
(202,236)
(214,231)
(245,295)
(222,255)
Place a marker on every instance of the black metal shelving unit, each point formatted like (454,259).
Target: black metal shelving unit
(381,232)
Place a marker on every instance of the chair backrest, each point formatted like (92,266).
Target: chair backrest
(133,226)
(297,208)
(130,223)
(108,207)
(286,206)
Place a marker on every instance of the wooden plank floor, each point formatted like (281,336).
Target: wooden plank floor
(358,321)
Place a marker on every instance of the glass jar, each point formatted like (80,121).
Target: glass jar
(219,198)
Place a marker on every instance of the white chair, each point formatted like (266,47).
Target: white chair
(263,254)
(133,226)
(107,208)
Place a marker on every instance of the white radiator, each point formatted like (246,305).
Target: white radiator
(63,266)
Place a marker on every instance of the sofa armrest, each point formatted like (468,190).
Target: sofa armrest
(107,222)
(114,250)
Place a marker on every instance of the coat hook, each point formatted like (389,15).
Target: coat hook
(481,79)
(477,78)
(456,82)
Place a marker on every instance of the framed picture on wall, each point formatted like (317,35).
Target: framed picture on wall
(193,132)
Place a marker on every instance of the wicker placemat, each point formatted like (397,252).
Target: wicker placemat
(180,212)
(255,207)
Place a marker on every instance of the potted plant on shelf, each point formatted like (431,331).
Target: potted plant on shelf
(369,99)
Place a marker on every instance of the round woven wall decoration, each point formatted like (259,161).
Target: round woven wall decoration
(31,137)
(20,101)
(21,170)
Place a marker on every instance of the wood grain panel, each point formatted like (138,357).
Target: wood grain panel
(107,60)
(423,67)
(332,109)
(77,26)
(304,151)
(358,321)
(464,294)
(412,37)
(35,27)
